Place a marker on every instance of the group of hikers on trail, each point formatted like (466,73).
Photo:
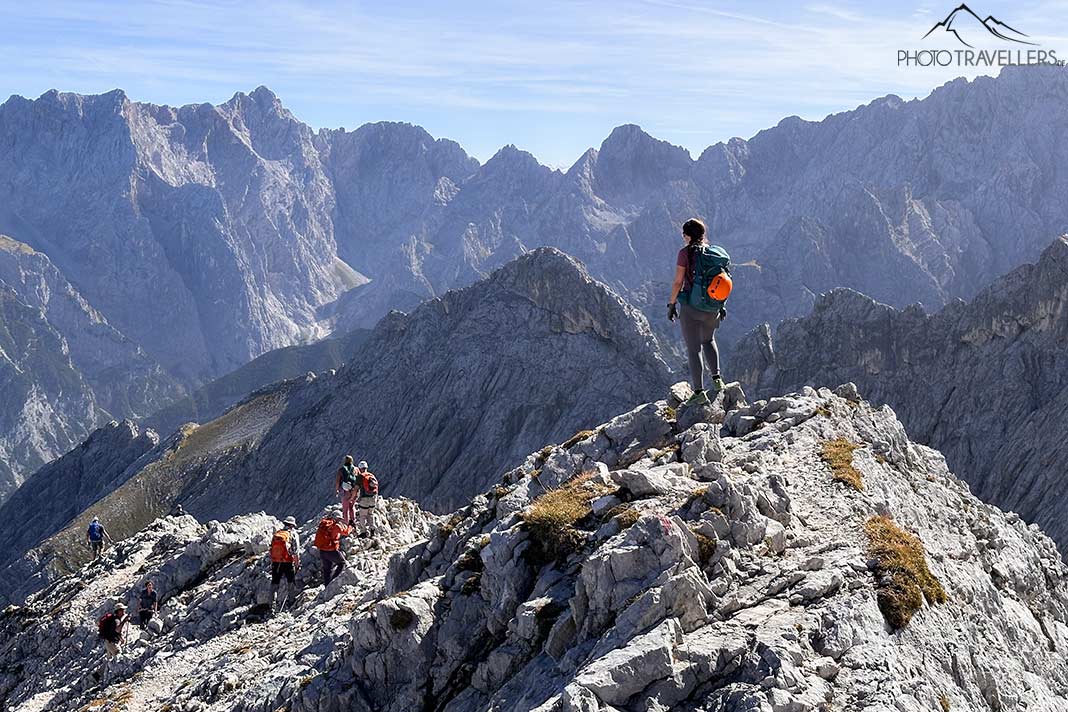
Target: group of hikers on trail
(358,489)
(699,292)
(354,484)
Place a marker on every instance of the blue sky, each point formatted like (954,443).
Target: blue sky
(551,77)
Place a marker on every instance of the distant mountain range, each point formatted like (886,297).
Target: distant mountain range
(200,237)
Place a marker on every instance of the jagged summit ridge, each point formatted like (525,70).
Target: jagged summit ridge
(711,562)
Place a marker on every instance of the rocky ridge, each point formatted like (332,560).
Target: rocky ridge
(440,401)
(706,559)
(984,382)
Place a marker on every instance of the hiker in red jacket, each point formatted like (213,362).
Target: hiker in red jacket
(328,542)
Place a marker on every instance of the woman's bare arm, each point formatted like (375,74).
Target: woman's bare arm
(676,286)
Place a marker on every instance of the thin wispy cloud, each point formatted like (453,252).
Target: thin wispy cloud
(552,77)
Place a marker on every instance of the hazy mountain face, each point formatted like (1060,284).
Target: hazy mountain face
(986,382)
(63,367)
(208,235)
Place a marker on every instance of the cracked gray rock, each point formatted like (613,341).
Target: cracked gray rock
(983,382)
(688,606)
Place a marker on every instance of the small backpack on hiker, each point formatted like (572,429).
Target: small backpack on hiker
(369,484)
(108,626)
(349,476)
(323,537)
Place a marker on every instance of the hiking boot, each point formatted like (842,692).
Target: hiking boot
(698,398)
(717,384)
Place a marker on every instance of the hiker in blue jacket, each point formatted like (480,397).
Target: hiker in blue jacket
(95,536)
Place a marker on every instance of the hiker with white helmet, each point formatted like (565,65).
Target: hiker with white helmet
(95,535)
(285,561)
(367,500)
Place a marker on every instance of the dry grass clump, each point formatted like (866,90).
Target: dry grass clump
(902,575)
(470,560)
(838,455)
(446,529)
(577,438)
(706,548)
(543,455)
(551,518)
(626,514)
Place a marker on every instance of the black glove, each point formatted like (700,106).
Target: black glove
(673,312)
(723,313)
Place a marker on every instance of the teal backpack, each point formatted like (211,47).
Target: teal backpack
(707,261)
(348,476)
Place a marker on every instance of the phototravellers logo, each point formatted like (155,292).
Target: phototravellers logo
(971,38)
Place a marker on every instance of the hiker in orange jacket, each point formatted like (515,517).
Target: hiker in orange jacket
(328,542)
(285,561)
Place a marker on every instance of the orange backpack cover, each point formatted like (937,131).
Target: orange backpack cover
(324,540)
(280,547)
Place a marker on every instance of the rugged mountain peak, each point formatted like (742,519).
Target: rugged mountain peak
(560,284)
(629,143)
(733,556)
(261,97)
(846,301)
(511,158)
(631,164)
(264,95)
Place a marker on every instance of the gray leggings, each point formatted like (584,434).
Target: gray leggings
(699,333)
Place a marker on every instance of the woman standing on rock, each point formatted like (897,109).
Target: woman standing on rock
(702,284)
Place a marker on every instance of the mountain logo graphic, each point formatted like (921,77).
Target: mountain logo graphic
(963,20)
